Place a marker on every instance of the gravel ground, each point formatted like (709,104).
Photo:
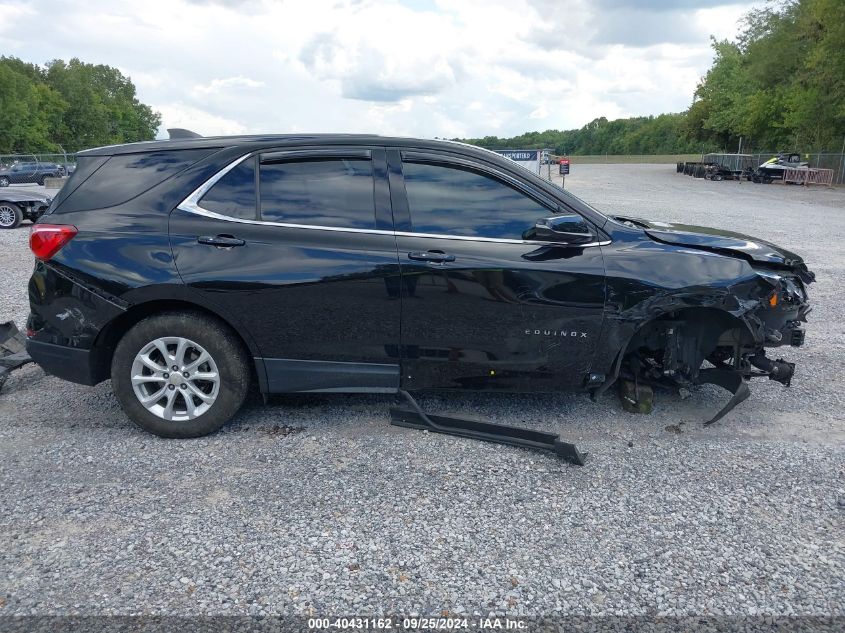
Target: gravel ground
(316,505)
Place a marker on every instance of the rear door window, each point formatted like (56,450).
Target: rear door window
(323,191)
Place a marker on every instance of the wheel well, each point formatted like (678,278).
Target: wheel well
(679,341)
(111,334)
(711,318)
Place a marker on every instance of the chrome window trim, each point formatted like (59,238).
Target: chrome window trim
(191,205)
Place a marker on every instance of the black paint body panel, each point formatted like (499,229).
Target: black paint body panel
(501,316)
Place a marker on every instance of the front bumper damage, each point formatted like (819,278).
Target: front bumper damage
(775,321)
(765,312)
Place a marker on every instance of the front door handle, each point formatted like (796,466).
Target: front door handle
(436,257)
(224,241)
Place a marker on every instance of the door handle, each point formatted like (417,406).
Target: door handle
(224,241)
(435,257)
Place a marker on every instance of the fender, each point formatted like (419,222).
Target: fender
(143,301)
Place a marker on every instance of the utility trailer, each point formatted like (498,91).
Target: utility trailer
(728,166)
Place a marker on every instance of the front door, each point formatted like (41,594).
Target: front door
(305,266)
(482,308)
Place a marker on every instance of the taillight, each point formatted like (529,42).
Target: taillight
(45,240)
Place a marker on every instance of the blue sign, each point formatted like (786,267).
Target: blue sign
(519,154)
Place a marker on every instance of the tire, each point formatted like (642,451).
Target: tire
(717,177)
(214,402)
(4,181)
(11,215)
(41,180)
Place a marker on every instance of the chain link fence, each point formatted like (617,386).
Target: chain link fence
(824,160)
(64,160)
(834,161)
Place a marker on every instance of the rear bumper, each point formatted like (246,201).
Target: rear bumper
(82,366)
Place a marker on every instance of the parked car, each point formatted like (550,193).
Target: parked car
(29,173)
(186,269)
(16,206)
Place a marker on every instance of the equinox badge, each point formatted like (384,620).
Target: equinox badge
(571,334)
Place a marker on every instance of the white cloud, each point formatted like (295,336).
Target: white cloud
(216,86)
(437,68)
(192,118)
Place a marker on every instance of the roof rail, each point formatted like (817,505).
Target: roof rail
(177,133)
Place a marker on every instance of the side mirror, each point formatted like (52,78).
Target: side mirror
(569,229)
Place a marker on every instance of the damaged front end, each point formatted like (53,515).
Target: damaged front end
(769,312)
(730,327)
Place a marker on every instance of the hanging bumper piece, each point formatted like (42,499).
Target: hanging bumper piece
(12,350)
(416,418)
(728,379)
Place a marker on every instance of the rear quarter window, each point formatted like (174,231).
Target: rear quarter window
(234,194)
(125,176)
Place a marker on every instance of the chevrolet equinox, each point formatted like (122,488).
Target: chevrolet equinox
(183,270)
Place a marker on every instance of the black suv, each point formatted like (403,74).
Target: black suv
(33,173)
(185,269)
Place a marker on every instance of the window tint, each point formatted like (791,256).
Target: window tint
(125,176)
(322,192)
(455,201)
(234,194)
(85,166)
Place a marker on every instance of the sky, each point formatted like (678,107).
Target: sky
(426,68)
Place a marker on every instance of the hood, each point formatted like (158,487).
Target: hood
(723,242)
(13,195)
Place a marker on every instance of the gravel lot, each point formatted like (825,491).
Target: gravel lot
(316,505)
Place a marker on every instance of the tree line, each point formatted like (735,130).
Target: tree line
(70,106)
(779,85)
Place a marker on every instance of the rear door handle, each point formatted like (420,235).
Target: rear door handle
(225,241)
(435,257)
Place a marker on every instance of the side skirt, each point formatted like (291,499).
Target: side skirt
(317,376)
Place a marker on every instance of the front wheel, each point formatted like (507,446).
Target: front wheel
(10,215)
(180,374)
(4,181)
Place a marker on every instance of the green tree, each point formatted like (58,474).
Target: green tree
(781,84)
(73,105)
(28,109)
(102,106)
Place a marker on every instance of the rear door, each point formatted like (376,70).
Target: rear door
(298,246)
(482,308)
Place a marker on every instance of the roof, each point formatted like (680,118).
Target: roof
(272,140)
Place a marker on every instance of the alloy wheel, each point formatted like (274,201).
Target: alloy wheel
(4,182)
(7,215)
(175,379)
